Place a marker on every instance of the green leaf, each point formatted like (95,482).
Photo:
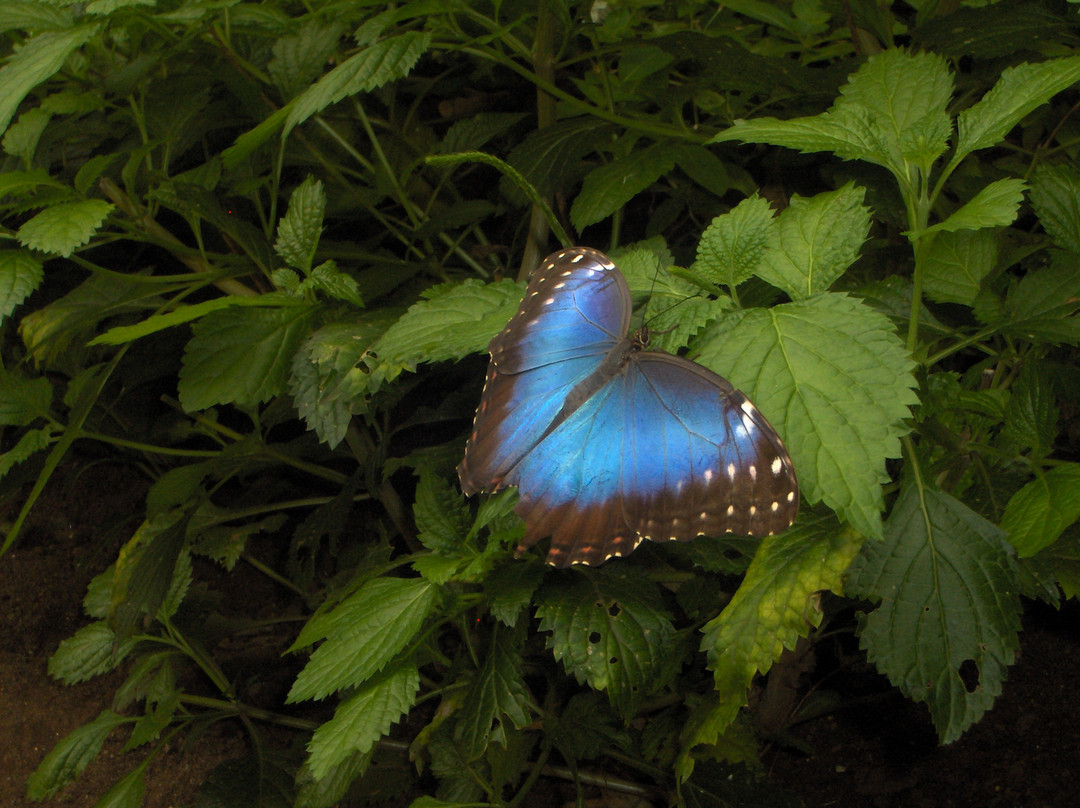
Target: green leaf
(1043,305)
(92,650)
(1019,90)
(372,67)
(891,111)
(550,159)
(1039,512)
(363,633)
(609,629)
(472,133)
(608,188)
(832,377)
(145,571)
(22,399)
(331,373)
(330,281)
(64,227)
(334,785)
(455,321)
(442,517)
(776,604)
(241,355)
(814,240)
(956,264)
(364,717)
(298,59)
(20,274)
(946,627)
(71,756)
(22,137)
(30,443)
(497,693)
(1055,196)
(732,246)
(126,793)
(994,206)
(33,63)
(299,230)
(509,589)
(1031,418)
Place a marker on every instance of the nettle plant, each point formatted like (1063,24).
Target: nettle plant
(916,375)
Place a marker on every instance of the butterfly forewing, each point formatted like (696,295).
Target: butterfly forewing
(576,309)
(609,444)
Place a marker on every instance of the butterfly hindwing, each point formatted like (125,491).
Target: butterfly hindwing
(610,444)
(666,450)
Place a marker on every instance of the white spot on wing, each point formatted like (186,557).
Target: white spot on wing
(777,464)
(731,471)
(753,472)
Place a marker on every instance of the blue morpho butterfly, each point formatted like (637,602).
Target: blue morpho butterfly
(609,443)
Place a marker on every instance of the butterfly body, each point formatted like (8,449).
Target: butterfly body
(610,443)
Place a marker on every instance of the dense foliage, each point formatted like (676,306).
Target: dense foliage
(258,250)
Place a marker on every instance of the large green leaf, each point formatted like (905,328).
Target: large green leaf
(20,274)
(1055,196)
(832,377)
(608,188)
(22,399)
(299,230)
(957,263)
(363,633)
(609,629)
(949,615)
(241,355)
(814,240)
(92,650)
(993,206)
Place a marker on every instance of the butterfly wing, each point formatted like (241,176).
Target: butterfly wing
(664,450)
(575,312)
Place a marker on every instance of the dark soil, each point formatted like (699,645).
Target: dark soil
(878,750)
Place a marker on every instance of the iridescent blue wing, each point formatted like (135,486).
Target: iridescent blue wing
(576,309)
(665,450)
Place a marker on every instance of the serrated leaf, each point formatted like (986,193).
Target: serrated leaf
(1031,418)
(30,443)
(814,240)
(362,718)
(145,572)
(331,376)
(732,246)
(509,589)
(957,263)
(33,63)
(608,188)
(455,321)
(299,58)
(1019,90)
(496,694)
(127,792)
(1055,196)
(148,728)
(472,133)
(1044,304)
(23,399)
(241,355)
(64,227)
(891,110)
(92,650)
(71,755)
(371,67)
(363,633)
(609,630)
(22,137)
(1039,512)
(330,281)
(991,31)
(299,230)
(833,378)
(994,206)
(327,791)
(442,517)
(773,607)
(550,158)
(949,599)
